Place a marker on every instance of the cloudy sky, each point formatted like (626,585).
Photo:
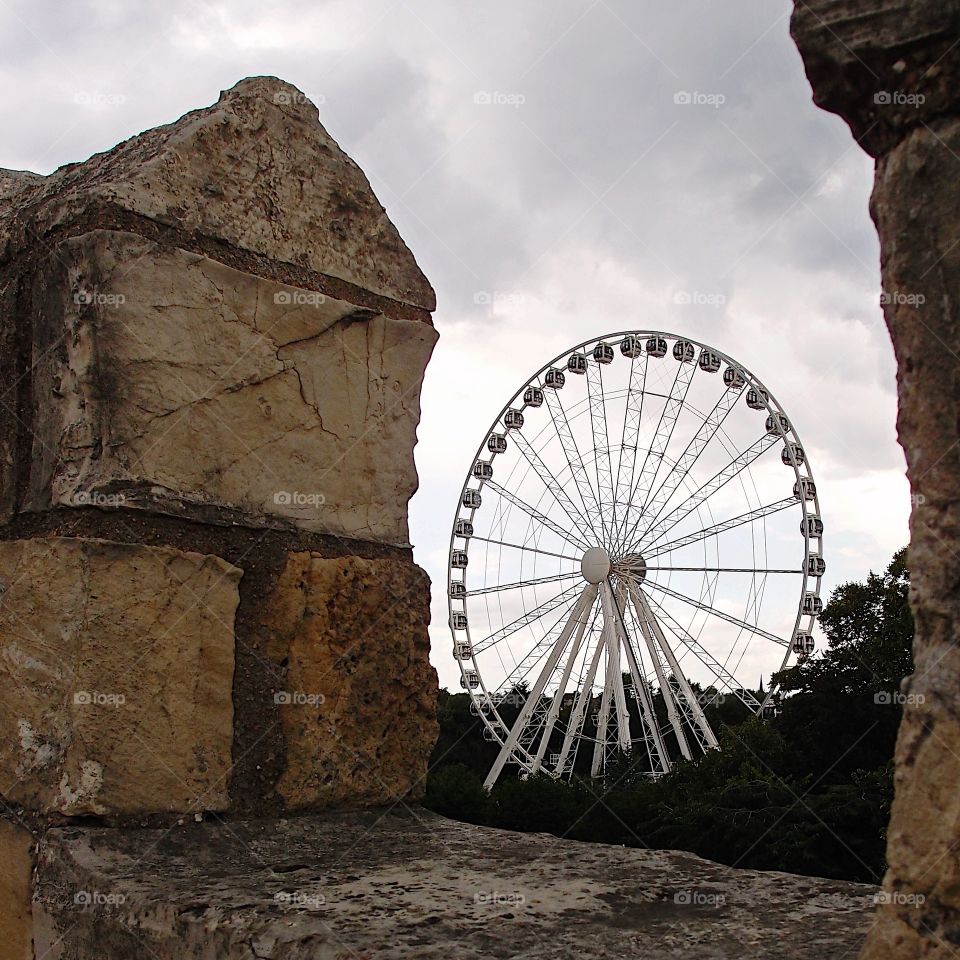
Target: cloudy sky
(560,168)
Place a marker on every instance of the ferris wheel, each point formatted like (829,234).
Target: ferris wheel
(638,539)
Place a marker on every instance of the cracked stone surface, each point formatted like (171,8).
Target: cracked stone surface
(167,381)
(360,721)
(116,664)
(256,170)
(892,71)
(414,885)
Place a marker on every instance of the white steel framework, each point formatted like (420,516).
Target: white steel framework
(638,545)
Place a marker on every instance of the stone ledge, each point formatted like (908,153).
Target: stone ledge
(414,885)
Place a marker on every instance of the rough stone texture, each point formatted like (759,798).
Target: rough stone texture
(360,720)
(16,890)
(188,387)
(851,48)
(396,886)
(258,171)
(886,66)
(116,664)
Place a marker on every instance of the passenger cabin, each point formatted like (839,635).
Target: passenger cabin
(577,363)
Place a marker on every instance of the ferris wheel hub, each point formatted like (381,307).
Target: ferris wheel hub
(632,565)
(595,565)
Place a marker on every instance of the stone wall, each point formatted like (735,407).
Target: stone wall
(892,71)
(212,342)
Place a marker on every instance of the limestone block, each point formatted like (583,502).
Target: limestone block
(256,170)
(359,709)
(116,662)
(414,886)
(169,381)
(16,891)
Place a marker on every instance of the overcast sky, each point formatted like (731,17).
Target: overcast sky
(542,156)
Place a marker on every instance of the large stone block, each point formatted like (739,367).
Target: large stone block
(359,709)
(16,892)
(415,886)
(168,381)
(116,663)
(256,171)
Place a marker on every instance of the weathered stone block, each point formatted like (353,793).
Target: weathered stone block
(168,381)
(411,886)
(116,662)
(257,171)
(359,710)
(16,892)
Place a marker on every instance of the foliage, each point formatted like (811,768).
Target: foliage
(807,792)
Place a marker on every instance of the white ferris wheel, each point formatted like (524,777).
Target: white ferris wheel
(638,538)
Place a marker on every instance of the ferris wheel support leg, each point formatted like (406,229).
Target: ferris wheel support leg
(509,745)
(557,700)
(584,696)
(619,696)
(640,602)
(659,758)
(600,744)
(666,689)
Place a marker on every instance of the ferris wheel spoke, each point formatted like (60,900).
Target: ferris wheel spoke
(571,451)
(661,438)
(580,612)
(736,466)
(601,446)
(722,527)
(567,596)
(520,546)
(659,498)
(713,611)
(550,481)
(653,739)
(569,535)
(479,591)
(724,570)
(687,700)
(700,653)
(628,447)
